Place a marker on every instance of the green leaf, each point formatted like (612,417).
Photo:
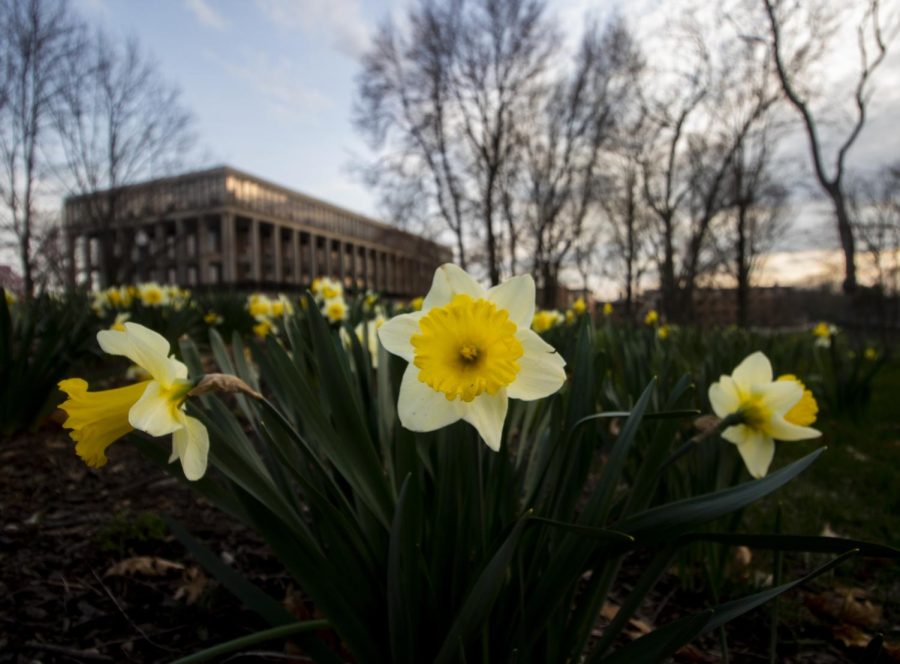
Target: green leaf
(586,531)
(255,599)
(402,571)
(659,415)
(480,599)
(665,522)
(664,641)
(805,543)
(281,632)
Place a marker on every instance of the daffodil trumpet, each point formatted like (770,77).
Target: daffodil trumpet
(155,406)
(470,350)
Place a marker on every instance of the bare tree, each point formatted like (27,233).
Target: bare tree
(702,122)
(755,216)
(792,67)
(875,207)
(119,122)
(38,38)
(563,147)
(443,95)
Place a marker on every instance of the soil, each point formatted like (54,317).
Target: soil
(89,573)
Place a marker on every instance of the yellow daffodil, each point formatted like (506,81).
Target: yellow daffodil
(823,332)
(579,306)
(9,297)
(663,332)
(155,406)
(263,328)
(870,354)
(330,289)
(762,406)
(607,308)
(570,317)
(335,309)
(416,303)
(469,351)
(652,318)
(316,286)
(804,411)
(153,295)
(545,319)
(212,318)
(259,305)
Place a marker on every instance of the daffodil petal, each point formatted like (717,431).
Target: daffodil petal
(487,413)
(724,397)
(541,371)
(781,429)
(395,334)
(191,444)
(154,413)
(145,348)
(754,370)
(757,451)
(781,395)
(450,280)
(421,408)
(516,295)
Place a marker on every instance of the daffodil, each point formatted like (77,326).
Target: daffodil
(212,318)
(663,332)
(764,411)
(259,305)
(416,303)
(579,306)
(9,297)
(870,354)
(155,406)
(823,332)
(335,309)
(263,328)
(652,318)
(367,333)
(330,289)
(545,319)
(153,295)
(607,308)
(469,351)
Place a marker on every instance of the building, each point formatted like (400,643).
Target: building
(225,228)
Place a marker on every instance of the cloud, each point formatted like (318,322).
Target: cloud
(207,15)
(343,20)
(278,82)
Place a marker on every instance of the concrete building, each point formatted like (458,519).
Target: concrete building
(225,228)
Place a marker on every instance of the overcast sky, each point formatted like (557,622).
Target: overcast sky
(272,81)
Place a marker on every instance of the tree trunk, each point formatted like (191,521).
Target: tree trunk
(667,281)
(743,272)
(848,244)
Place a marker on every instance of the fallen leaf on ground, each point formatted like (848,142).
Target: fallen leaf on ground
(143,565)
(192,585)
(845,605)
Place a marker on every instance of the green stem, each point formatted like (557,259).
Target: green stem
(776,581)
(280,632)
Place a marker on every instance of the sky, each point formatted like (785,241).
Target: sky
(272,83)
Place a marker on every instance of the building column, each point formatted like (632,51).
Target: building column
(255,252)
(313,257)
(326,268)
(86,255)
(276,247)
(162,264)
(341,261)
(298,258)
(71,272)
(227,232)
(180,253)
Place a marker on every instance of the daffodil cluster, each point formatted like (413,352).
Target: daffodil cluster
(267,312)
(329,295)
(761,410)
(148,294)
(470,350)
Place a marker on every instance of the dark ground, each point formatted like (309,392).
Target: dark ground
(88,572)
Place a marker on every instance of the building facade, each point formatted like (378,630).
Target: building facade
(225,228)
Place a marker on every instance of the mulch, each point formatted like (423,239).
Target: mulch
(89,573)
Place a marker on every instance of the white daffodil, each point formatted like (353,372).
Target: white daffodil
(765,408)
(469,351)
(156,406)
